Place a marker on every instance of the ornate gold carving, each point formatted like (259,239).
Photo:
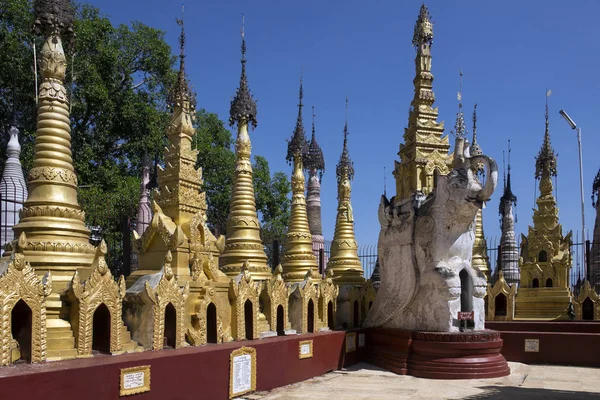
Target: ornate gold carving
(501,287)
(328,292)
(243,240)
(19,282)
(53,174)
(52,211)
(587,292)
(243,288)
(343,261)
(168,291)
(241,352)
(100,288)
(278,294)
(298,256)
(305,291)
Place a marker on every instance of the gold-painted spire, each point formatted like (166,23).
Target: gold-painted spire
(178,194)
(424,150)
(298,257)
(57,240)
(243,242)
(343,261)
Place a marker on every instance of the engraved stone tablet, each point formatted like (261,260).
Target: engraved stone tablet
(350,342)
(532,345)
(242,373)
(135,380)
(306,349)
(361,340)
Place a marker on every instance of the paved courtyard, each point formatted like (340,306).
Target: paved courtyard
(366,382)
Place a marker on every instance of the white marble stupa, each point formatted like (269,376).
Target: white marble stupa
(13,188)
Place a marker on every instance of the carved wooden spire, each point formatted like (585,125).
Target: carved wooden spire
(297,146)
(345,166)
(314,160)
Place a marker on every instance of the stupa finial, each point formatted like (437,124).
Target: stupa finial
(345,165)
(423,34)
(459,127)
(181,95)
(546,159)
(314,158)
(475,149)
(297,146)
(243,106)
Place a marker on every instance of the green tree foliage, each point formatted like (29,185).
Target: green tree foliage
(217,160)
(118,79)
(272,201)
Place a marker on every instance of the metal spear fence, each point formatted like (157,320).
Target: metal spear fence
(12,196)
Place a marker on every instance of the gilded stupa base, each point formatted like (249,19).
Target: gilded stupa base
(542,303)
(230,263)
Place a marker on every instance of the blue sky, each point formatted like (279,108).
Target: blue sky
(510,53)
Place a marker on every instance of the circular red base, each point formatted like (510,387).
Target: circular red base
(457,355)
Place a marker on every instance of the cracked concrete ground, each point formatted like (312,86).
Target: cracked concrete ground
(367,382)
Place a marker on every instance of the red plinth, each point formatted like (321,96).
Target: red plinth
(459,355)
(437,355)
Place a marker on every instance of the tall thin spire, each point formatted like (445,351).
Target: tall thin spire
(345,165)
(425,148)
(243,106)
(546,158)
(243,244)
(297,145)
(475,149)
(315,164)
(460,129)
(344,261)
(298,257)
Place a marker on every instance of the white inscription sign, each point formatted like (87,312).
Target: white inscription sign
(133,380)
(361,340)
(242,374)
(305,349)
(350,342)
(532,345)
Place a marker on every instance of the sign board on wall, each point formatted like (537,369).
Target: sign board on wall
(135,380)
(242,371)
(532,345)
(350,342)
(305,349)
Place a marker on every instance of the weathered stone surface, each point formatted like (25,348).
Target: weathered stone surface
(425,249)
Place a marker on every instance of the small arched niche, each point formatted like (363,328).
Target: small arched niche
(549,282)
(543,256)
(535,283)
(101,330)
(355,314)
(310,326)
(500,304)
(248,319)
(330,314)
(21,324)
(170,333)
(587,309)
(280,321)
(211,323)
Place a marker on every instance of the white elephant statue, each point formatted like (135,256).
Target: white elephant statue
(425,249)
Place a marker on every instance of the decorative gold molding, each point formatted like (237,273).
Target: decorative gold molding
(302,346)
(145,387)
(242,351)
(586,292)
(168,291)
(244,288)
(100,288)
(20,282)
(501,287)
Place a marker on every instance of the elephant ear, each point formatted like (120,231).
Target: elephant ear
(383,213)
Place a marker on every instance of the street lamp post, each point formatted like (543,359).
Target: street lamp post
(574,126)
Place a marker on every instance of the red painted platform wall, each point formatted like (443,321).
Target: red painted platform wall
(560,343)
(192,373)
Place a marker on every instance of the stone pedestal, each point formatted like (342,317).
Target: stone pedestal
(438,355)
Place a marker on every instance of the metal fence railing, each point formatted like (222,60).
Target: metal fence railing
(13,193)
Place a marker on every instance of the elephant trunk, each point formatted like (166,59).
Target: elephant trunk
(491,176)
